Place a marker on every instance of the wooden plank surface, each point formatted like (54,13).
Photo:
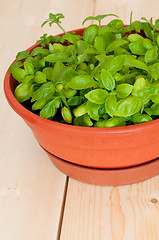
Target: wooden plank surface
(31,188)
(111,213)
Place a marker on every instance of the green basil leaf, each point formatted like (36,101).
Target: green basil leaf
(29,79)
(57,101)
(99,44)
(31,60)
(102,112)
(97,96)
(90,33)
(66,114)
(98,17)
(148,111)
(158,39)
(115,64)
(54,57)
(147,29)
(58,67)
(121,51)
(89,18)
(154,67)
(82,46)
(74,101)
(115,122)
(83,57)
(49,110)
(155,88)
(83,67)
(23,92)
(59,88)
(69,92)
(15,65)
(60,77)
(48,71)
(123,90)
(128,106)
(146,94)
(155,109)
(84,121)
(155,99)
(107,34)
(29,68)
(128,78)
(70,38)
(40,77)
(140,118)
(79,111)
(130,61)
(81,82)
(110,104)
(57,48)
(42,92)
(156,26)
(137,48)
(36,51)
(41,102)
(100,123)
(105,29)
(137,26)
(147,43)
(102,58)
(139,86)
(154,70)
(82,72)
(117,77)
(39,50)
(116,24)
(92,110)
(135,37)
(70,49)
(19,74)
(70,74)
(151,55)
(107,80)
(22,55)
(115,44)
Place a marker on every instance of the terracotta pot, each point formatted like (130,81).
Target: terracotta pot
(107,177)
(115,147)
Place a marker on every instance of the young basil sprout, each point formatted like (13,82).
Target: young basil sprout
(54,18)
(99,18)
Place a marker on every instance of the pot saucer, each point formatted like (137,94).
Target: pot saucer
(107,177)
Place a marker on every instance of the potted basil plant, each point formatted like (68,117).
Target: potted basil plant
(91,95)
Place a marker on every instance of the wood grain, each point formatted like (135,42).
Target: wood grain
(31,188)
(112,213)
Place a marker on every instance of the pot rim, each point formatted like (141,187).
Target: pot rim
(38,120)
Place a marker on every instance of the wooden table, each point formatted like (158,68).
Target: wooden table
(37,202)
